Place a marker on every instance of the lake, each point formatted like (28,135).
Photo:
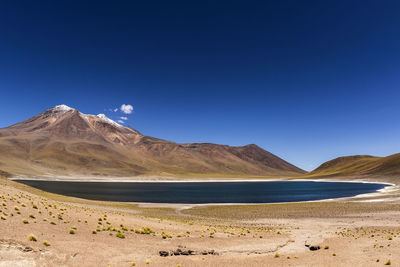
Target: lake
(206,192)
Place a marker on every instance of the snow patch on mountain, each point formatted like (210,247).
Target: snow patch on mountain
(62,108)
(103,117)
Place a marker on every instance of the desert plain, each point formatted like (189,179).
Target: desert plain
(44,229)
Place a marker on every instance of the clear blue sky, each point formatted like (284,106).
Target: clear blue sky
(306,80)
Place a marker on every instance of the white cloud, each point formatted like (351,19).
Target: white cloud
(127,109)
(115,109)
(124,118)
(120,121)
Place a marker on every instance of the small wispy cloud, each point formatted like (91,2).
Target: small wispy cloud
(113,109)
(120,121)
(124,118)
(126,108)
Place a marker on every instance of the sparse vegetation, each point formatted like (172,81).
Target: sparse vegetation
(120,235)
(32,237)
(166,235)
(144,231)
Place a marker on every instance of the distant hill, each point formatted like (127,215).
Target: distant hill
(361,165)
(62,140)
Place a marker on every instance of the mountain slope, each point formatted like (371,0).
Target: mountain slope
(62,140)
(361,165)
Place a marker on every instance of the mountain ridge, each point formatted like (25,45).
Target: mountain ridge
(359,165)
(62,140)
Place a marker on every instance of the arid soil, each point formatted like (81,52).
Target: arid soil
(42,229)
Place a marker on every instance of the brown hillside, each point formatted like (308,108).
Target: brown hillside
(360,165)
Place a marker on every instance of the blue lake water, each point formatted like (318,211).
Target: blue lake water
(206,192)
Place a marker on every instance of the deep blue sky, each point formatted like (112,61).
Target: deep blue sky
(306,80)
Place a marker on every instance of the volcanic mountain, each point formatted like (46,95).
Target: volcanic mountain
(64,141)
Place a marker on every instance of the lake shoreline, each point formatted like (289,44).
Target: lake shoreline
(380,193)
(113,179)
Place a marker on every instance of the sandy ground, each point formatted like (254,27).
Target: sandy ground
(362,231)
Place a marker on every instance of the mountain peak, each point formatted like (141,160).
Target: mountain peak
(62,108)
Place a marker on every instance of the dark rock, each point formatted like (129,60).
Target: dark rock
(212,252)
(185,252)
(312,248)
(27,249)
(164,253)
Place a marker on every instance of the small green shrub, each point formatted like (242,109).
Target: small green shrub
(166,235)
(144,231)
(120,235)
(32,237)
